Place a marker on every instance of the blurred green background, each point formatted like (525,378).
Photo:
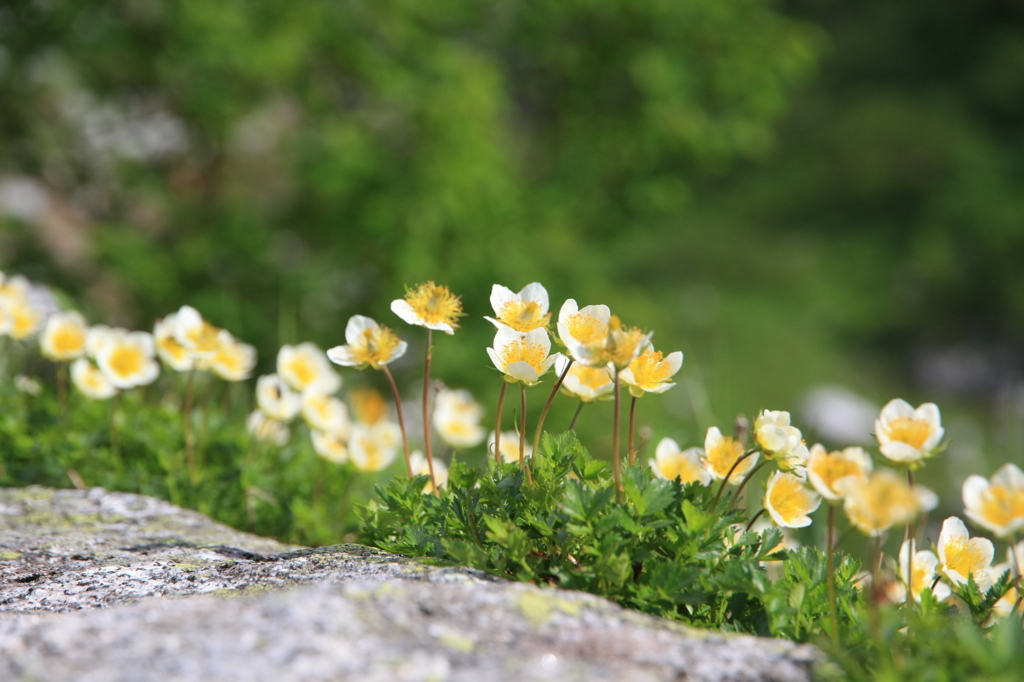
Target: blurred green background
(819,202)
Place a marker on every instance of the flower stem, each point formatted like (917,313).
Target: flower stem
(497,424)
(911,532)
(616,460)
(831,575)
(632,423)
(522,434)
(62,389)
(547,406)
(426,414)
(743,484)
(190,440)
(754,520)
(725,480)
(576,417)
(401,418)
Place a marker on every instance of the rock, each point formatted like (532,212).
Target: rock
(351,612)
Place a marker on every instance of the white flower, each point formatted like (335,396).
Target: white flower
(128,359)
(325,413)
(624,344)
(91,382)
(922,574)
(19,316)
(509,446)
(275,399)
(27,385)
(421,466)
(997,505)
(369,345)
(522,312)
(266,428)
(168,347)
(960,555)
(63,337)
(97,336)
(882,500)
(331,446)
(906,434)
(233,360)
(649,372)
(429,305)
(779,441)
(373,448)
(522,357)
(195,333)
(789,501)
(721,453)
(825,468)
(306,367)
(584,332)
(457,419)
(586,383)
(670,462)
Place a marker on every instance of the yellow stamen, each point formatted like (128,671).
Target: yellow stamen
(964,556)
(594,378)
(1000,506)
(375,347)
(587,330)
(833,466)
(126,362)
(532,354)
(724,454)
(683,468)
(435,304)
(913,432)
(302,369)
(368,405)
(68,339)
(523,316)
(789,498)
(171,347)
(649,370)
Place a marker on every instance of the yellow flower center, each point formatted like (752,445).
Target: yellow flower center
(320,405)
(68,339)
(881,502)
(229,358)
(435,304)
(683,468)
(789,498)
(832,467)
(621,344)
(724,454)
(126,361)
(594,378)
(25,320)
(523,316)
(94,379)
(457,427)
(586,329)
(302,369)
(375,347)
(919,578)
(1001,506)
(204,338)
(368,405)
(649,370)
(531,353)
(374,454)
(913,432)
(964,556)
(171,347)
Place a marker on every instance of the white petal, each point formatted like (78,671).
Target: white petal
(535,291)
(894,409)
(1009,476)
(342,355)
(495,359)
(357,324)
(401,308)
(522,371)
(500,297)
(666,446)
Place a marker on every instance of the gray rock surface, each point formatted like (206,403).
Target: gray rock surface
(117,567)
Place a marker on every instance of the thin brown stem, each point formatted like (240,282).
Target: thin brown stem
(616,459)
(831,575)
(547,406)
(754,520)
(497,423)
(426,414)
(632,429)
(401,418)
(728,475)
(190,440)
(911,532)
(576,417)
(522,434)
(743,484)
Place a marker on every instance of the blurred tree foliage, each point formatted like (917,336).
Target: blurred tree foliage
(283,166)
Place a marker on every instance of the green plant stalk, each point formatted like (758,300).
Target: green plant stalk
(616,459)
(576,417)
(62,389)
(497,423)
(401,418)
(831,572)
(743,484)
(632,423)
(547,406)
(911,532)
(754,520)
(728,475)
(426,414)
(190,440)
(522,434)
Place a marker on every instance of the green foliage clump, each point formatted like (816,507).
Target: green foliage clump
(666,550)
